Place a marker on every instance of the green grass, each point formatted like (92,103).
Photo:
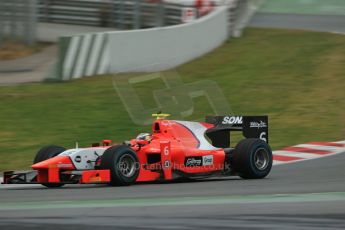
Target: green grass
(296,77)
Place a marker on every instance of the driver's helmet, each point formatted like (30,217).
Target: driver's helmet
(144,136)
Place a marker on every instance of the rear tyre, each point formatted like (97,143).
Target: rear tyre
(123,163)
(252,158)
(46,153)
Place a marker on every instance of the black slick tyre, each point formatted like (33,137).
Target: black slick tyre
(46,153)
(123,163)
(252,158)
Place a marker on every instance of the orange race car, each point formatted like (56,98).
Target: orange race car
(174,149)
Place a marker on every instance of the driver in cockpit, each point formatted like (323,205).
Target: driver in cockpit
(144,137)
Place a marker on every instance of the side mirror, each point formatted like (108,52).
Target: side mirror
(107,142)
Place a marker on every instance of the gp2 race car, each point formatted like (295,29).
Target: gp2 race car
(175,149)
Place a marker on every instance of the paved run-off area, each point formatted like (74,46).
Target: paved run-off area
(314,7)
(314,15)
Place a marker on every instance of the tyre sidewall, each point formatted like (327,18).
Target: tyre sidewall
(119,176)
(250,160)
(111,160)
(243,158)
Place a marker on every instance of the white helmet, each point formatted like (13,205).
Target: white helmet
(144,136)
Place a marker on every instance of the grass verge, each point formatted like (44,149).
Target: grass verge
(296,77)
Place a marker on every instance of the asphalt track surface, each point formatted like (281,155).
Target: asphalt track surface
(303,195)
(323,23)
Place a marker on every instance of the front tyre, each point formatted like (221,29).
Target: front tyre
(46,153)
(123,163)
(252,158)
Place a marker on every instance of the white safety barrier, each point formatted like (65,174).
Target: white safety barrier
(141,50)
(151,49)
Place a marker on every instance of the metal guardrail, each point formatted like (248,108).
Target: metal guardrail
(18,20)
(120,14)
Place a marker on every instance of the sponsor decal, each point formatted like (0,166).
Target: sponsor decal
(166,164)
(193,161)
(207,160)
(61,165)
(258,125)
(199,161)
(232,120)
(95,179)
(77,159)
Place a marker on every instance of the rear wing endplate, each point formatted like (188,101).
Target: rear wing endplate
(251,127)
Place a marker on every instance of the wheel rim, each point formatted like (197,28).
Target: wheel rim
(261,159)
(127,165)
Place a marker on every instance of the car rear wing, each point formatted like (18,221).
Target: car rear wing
(251,127)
